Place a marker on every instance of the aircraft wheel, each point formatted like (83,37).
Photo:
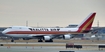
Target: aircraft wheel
(49,40)
(40,40)
(12,40)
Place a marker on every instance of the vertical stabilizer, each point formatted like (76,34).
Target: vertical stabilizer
(86,24)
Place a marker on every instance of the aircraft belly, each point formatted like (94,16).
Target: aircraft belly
(18,35)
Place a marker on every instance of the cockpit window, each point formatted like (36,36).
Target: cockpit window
(30,29)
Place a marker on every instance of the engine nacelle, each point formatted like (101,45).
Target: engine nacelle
(46,37)
(67,36)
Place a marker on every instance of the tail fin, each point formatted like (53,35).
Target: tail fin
(86,24)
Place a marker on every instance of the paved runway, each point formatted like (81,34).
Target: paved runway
(30,43)
(43,43)
(44,49)
(41,48)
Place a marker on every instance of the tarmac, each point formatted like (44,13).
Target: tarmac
(88,46)
(44,49)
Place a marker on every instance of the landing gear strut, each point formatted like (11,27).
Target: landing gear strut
(40,40)
(12,39)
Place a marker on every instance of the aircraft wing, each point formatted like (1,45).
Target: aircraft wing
(52,36)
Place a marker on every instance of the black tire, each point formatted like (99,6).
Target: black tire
(49,40)
(12,40)
(40,40)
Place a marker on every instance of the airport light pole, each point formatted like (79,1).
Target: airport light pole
(98,23)
(98,34)
(27,23)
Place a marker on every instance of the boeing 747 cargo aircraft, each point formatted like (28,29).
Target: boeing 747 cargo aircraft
(48,34)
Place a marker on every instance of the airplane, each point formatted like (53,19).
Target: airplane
(48,34)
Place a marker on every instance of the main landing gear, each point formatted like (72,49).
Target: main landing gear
(49,40)
(40,40)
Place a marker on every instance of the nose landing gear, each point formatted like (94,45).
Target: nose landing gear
(12,40)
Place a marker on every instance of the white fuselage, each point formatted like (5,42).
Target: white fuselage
(15,31)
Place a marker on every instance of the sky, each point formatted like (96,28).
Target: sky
(50,13)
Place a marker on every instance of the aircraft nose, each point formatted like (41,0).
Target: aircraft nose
(0,32)
(3,32)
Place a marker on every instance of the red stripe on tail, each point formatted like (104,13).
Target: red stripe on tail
(87,24)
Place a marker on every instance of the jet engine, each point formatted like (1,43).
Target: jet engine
(67,36)
(46,37)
